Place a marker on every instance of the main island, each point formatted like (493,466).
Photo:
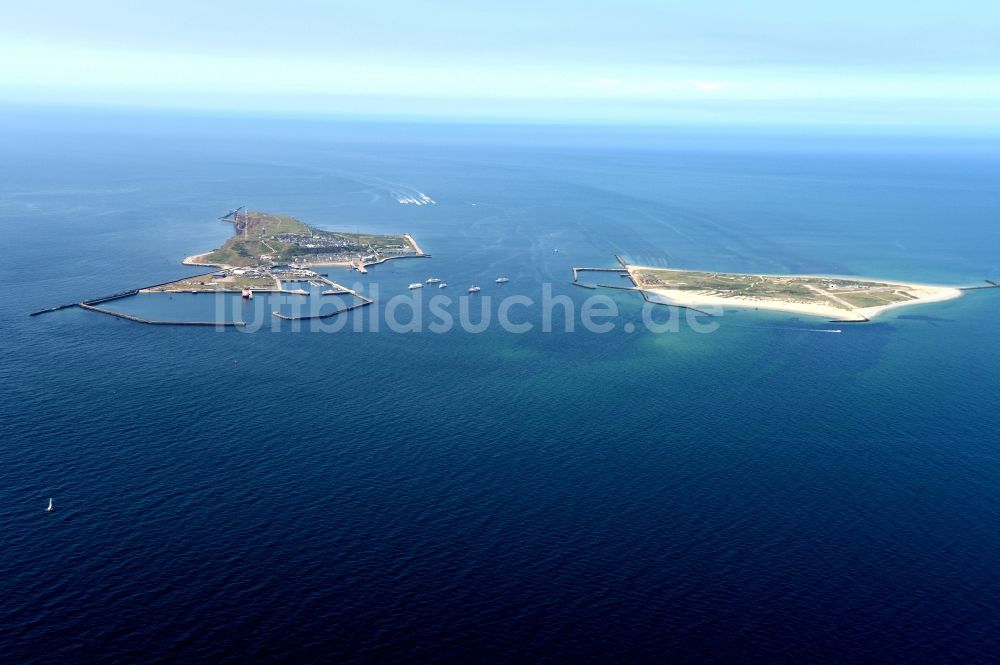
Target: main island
(268,253)
(840,299)
(264,238)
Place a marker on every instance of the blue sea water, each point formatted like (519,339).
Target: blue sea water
(759,493)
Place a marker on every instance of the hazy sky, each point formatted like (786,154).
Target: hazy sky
(888,61)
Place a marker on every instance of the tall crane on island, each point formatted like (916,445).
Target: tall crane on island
(242,224)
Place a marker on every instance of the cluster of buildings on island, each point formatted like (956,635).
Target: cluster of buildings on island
(280,271)
(317,242)
(334,245)
(848,287)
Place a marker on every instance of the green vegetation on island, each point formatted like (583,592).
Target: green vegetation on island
(223,281)
(808,294)
(264,238)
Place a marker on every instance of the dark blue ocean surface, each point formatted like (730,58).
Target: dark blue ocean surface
(764,492)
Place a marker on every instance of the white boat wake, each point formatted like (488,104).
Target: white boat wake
(403,194)
(417,199)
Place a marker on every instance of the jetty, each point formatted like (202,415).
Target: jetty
(272,238)
(990,284)
(586,285)
(342,290)
(362,266)
(335,312)
(622,271)
(114,296)
(139,319)
(839,299)
(577,271)
(92,304)
(337,289)
(620,288)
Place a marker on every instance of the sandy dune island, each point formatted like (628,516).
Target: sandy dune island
(834,298)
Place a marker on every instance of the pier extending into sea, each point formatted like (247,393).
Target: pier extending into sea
(990,284)
(624,273)
(337,289)
(853,313)
(93,304)
(138,319)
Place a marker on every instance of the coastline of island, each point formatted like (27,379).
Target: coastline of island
(263,238)
(837,298)
(266,252)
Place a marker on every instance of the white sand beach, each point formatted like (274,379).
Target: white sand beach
(920,294)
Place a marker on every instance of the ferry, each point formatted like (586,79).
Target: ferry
(416,285)
(502,280)
(474,289)
(433,280)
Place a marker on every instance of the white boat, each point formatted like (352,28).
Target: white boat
(50,508)
(474,289)
(442,285)
(502,280)
(416,285)
(433,280)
